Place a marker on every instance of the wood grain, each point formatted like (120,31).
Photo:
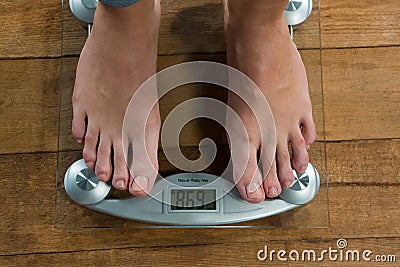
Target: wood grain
(29,105)
(193,26)
(367,23)
(363,162)
(230,254)
(27,224)
(361,93)
(188,27)
(30,28)
(360,106)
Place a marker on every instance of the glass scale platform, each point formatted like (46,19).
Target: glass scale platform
(179,43)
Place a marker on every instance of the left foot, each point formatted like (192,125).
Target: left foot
(259,45)
(112,66)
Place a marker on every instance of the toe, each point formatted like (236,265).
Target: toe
(103,162)
(121,173)
(90,148)
(79,126)
(144,168)
(285,173)
(299,149)
(140,185)
(249,184)
(271,183)
(308,131)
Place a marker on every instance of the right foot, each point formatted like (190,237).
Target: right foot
(118,57)
(259,45)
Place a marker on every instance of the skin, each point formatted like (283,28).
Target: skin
(113,64)
(259,45)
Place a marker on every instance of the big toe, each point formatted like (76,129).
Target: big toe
(144,165)
(249,184)
(140,185)
(142,181)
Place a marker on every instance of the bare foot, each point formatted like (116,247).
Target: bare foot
(259,45)
(118,57)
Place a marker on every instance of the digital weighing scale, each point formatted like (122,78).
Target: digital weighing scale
(187,198)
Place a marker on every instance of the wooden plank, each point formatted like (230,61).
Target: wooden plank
(228,254)
(66,140)
(29,105)
(197,130)
(381,248)
(245,254)
(27,224)
(364,162)
(30,28)
(365,23)
(361,93)
(188,27)
(82,258)
(307,35)
(29,188)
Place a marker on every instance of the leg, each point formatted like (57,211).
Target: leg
(259,45)
(117,58)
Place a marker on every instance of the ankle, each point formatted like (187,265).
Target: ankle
(143,15)
(141,9)
(254,14)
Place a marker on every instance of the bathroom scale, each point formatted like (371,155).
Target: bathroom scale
(181,198)
(188,198)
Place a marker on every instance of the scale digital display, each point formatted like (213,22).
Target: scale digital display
(193,199)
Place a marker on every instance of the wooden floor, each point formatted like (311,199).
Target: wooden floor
(355,88)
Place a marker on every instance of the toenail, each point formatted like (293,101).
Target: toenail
(140,183)
(102,177)
(273,191)
(287,184)
(120,184)
(254,191)
(79,140)
(303,168)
